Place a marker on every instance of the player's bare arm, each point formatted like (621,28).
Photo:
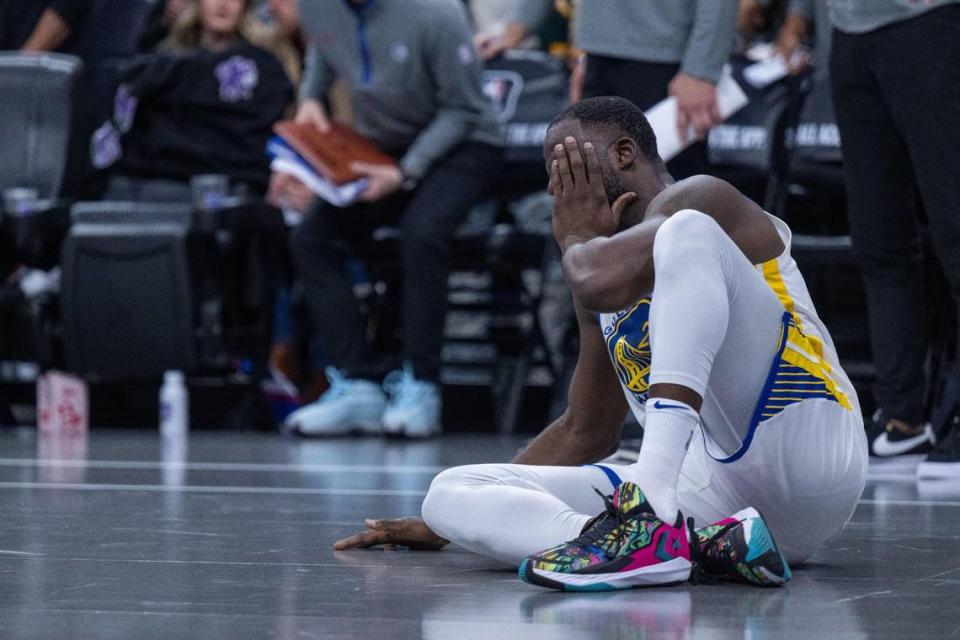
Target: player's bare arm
(588,431)
(608,269)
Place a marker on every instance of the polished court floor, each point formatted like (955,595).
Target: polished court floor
(229,536)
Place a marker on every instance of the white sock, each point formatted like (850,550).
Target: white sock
(667,432)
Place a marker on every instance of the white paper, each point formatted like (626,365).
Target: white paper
(338,195)
(663,116)
(766,72)
(769,66)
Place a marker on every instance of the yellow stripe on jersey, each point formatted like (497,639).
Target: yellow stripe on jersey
(802,355)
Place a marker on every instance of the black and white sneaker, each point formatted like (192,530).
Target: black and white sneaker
(892,441)
(944,460)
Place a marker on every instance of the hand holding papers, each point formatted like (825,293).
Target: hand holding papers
(324,161)
(663,116)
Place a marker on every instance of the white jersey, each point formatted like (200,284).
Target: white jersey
(806,354)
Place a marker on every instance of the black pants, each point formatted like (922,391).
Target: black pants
(896,92)
(427,219)
(644,84)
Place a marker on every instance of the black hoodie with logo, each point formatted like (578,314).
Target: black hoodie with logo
(182,114)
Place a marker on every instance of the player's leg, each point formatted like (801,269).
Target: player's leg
(715,327)
(716,330)
(509,511)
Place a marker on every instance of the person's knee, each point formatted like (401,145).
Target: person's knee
(302,246)
(445,509)
(309,250)
(684,234)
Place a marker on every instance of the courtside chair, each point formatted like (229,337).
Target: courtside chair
(127,298)
(37,95)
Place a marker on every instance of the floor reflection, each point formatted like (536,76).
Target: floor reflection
(716,612)
(62,457)
(939,489)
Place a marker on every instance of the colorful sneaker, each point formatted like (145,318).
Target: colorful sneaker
(347,406)
(739,549)
(415,405)
(626,546)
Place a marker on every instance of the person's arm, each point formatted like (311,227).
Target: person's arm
(707,50)
(607,270)
(524,18)
(56,24)
(317,79)
(51,31)
(589,430)
(793,33)
(711,39)
(456,71)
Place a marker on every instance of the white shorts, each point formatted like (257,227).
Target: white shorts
(804,471)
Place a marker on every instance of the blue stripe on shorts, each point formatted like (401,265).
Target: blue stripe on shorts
(610,473)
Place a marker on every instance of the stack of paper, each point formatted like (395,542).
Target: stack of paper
(287,160)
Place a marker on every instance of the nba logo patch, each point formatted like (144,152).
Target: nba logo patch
(504,89)
(238,77)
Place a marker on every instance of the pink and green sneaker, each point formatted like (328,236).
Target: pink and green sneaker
(739,549)
(626,546)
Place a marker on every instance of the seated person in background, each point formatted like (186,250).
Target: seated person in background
(415,93)
(205,104)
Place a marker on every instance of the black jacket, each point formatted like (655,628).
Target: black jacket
(201,112)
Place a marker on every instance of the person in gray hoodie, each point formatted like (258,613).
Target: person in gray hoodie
(895,72)
(414,82)
(646,50)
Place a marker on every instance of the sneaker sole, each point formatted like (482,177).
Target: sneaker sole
(402,431)
(364,428)
(673,571)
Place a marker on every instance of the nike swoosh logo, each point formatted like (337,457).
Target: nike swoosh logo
(884,447)
(660,405)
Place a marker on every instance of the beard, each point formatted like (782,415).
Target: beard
(611,185)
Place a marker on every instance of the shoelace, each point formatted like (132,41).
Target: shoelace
(699,575)
(602,526)
(339,385)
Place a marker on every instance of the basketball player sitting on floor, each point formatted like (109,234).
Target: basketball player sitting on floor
(690,289)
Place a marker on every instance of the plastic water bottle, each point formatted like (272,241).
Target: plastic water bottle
(174,404)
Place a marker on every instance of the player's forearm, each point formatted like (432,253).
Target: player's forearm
(609,274)
(563,444)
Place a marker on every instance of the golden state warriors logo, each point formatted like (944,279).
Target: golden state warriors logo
(628,340)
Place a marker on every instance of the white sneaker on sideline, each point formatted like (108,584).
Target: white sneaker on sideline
(415,405)
(348,405)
